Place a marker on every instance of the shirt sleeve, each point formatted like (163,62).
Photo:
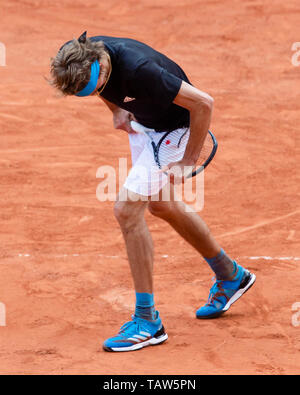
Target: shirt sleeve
(153,82)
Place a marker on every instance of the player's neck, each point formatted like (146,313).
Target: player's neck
(105,71)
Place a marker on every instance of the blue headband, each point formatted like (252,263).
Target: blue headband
(92,84)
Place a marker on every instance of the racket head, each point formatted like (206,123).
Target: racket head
(207,154)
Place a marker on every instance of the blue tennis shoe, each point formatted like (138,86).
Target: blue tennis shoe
(137,334)
(224,293)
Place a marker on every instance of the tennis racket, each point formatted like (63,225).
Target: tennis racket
(208,151)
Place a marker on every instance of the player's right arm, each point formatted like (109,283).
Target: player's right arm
(121,118)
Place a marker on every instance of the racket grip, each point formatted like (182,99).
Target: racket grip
(138,128)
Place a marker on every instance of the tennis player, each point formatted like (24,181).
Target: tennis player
(137,82)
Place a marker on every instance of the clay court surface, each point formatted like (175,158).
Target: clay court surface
(64,277)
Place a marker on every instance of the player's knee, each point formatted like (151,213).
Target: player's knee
(160,209)
(128,213)
(121,211)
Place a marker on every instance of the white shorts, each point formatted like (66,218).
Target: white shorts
(144,177)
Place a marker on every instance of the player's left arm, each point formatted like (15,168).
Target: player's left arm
(200,106)
(121,118)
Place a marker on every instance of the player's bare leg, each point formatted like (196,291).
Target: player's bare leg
(146,327)
(186,222)
(232,280)
(129,211)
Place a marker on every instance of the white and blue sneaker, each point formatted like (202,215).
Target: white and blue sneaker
(137,334)
(224,293)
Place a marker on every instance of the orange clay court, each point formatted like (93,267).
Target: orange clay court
(64,276)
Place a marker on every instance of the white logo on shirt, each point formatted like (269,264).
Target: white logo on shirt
(128,99)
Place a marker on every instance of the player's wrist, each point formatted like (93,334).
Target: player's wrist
(189,160)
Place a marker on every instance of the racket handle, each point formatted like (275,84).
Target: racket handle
(138,128)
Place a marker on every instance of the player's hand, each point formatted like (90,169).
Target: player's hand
(121,119)
(178,171)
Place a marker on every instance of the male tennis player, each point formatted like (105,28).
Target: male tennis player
(137,82)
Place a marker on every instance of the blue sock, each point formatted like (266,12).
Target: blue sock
(144,307)
(224,268)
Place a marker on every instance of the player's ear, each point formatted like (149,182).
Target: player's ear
(82,38)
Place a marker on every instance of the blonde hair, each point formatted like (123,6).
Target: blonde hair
(71,67)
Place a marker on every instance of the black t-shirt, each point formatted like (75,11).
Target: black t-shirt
(144,82)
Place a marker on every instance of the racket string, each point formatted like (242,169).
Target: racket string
(171,148)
